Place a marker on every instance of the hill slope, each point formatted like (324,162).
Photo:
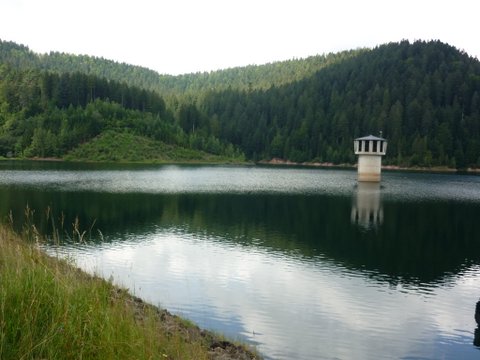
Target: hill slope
(423,96)
(248,77)
(44,114)
(112,146)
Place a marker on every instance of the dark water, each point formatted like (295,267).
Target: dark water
(303,263)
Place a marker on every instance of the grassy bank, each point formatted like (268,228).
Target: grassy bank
(51,310)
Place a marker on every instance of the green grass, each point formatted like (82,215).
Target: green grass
(51,310)
(112,146)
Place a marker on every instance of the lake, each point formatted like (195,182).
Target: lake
(302,263)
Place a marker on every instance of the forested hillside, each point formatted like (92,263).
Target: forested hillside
(424,97)
(45,114)
(249,77)
(21,57)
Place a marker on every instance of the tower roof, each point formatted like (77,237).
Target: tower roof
(371,137)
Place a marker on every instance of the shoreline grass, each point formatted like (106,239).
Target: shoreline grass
(49,309)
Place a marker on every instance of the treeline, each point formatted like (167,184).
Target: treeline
(242,78)
(424,97)
(44,114)
(21,57)
(251,77)
(36,91)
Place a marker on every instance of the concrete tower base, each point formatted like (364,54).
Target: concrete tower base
(369,168)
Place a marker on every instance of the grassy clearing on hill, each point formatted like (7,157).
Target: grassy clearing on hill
(113,146)
(51,310)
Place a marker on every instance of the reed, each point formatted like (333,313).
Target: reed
(51,310)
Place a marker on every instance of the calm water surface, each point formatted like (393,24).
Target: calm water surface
(302,263)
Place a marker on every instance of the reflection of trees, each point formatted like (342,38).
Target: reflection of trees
(111,213)
(417,242)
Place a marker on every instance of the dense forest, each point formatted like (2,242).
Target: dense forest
(45,114)
(424,97)
(241,78)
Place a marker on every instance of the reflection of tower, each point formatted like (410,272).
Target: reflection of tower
(370,150)
(367,208)
(476,339)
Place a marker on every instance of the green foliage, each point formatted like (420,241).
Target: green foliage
(112,146)
(242,78)
(46,115)
(423,96)
(49,310)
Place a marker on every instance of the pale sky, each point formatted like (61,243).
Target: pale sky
(182,36)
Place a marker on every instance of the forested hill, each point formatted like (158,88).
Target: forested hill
(22,58)
(248,77)
(47,114)
(251,77)
(423,96)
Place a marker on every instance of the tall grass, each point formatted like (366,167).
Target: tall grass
(51,310)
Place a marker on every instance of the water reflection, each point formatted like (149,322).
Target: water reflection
(305,272)
(292,308)
(476,339)
(367,210)
(417,244)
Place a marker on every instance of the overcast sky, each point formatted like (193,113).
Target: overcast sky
(181,36)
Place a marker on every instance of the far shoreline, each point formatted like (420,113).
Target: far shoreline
(316,164)
(271,162)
